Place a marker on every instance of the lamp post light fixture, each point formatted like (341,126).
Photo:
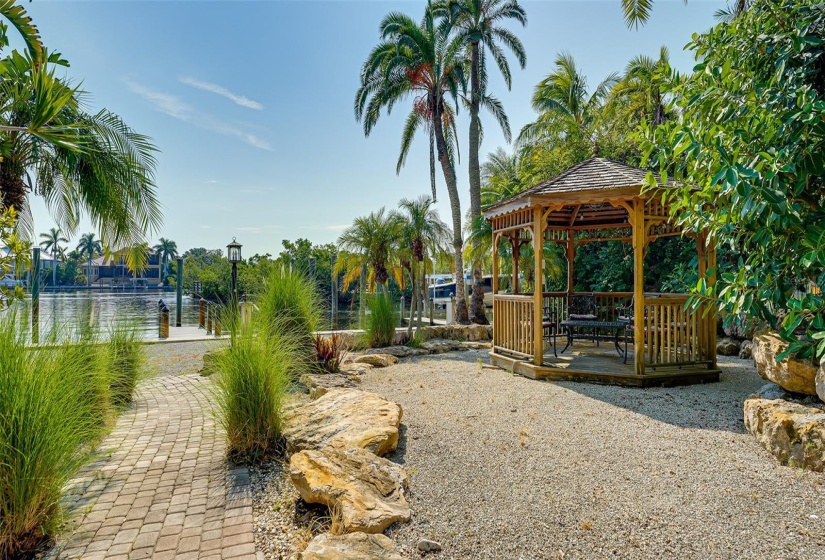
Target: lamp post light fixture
(233,253)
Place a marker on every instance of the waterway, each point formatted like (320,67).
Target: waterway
(67,310)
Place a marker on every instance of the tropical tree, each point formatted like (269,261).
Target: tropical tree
(567,109)
(371,241)
(749,146)
(136,258)
(641,88)
(51,242)
(637,12)
(90,247)
(477,24)
(423,231)
(426,61)
(167,249)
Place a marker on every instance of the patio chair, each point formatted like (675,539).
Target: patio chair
(550,327)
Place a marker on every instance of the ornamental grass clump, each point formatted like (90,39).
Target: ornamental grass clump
(254,380)
(125,359)
(290,302)
(380,322)
(50,419)
(328,352)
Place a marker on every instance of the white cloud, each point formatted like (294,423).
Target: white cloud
(176,107)
(222,91)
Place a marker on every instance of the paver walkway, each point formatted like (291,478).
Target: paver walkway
(162,488)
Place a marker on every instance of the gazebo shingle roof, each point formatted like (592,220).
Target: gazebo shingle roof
(593,174)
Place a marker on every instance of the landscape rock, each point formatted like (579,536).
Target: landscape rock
(820,382)
(794,433)
(377,360)
(467,333)
(351,368)
(476,345)
(772,391)
(366,489)
(398,351)
(211,359)
(319,383)
(344,418)
(746,350)
(353,546)
(440,345)
(425,545)
(797,376)
(727,347)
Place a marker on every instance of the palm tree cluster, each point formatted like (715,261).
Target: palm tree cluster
(393,245)
(81,164)
(440,62)
(135,257)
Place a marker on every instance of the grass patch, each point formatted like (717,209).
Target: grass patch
(380,322)
(125,361)
(53,407)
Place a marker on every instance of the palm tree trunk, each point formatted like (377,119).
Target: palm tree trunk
(477,299)
(89,271)
(54,267)
(461,315)
(432,164)
(413,298)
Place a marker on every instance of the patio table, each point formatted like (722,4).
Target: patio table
(617,326)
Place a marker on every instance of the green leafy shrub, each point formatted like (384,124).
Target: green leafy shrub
(254,379)
(328,352)
(50,418)
(125,359)
(381,321)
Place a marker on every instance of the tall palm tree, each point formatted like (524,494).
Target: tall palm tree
(642,86)
(90,247)
(371,241)
(79,163)
(426,61)
(167,249)
(423,232)
(477,23)
(566,107)
(51,242)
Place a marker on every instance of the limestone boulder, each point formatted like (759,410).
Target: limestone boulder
(352,546)
(366,489)
(344,418)
(377,360)
(318,384)
(793,432)
(797,376)
(746,350)
(398,351)
(727,347)
(820,382)
(441,345)
(351,368)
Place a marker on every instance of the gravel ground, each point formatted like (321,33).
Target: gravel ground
(178,358)
(506,467)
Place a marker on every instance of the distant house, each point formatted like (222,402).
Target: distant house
(113,271)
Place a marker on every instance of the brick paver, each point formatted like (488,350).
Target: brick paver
(162,487)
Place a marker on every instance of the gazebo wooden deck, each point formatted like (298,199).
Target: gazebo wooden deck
(594,201)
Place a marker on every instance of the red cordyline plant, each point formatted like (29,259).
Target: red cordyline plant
(328,351)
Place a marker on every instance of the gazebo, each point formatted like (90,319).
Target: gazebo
(595,201)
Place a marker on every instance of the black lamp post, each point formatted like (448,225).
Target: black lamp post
(233,253)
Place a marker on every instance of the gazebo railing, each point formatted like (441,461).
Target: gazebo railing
(609,305)
(673,335)
(513,324)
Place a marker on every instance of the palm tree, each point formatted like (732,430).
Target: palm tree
(477,24)
(51,242)
(423,231)
(167,249)
(371,241)
(642,85)
(79,163)
(137,258)
(426,61)
(90,247)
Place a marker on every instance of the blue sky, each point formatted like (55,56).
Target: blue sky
(251,103)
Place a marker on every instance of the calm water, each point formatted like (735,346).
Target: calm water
(68,309)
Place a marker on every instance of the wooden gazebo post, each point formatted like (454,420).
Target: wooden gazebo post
(637,221)
(538,286)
